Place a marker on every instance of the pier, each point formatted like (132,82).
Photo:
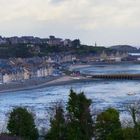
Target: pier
(117,76)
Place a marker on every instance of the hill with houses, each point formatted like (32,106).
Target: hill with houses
(30,46)
(23,58)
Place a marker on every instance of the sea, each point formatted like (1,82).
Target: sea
(103,93)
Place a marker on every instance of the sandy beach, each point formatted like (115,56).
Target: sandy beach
(25,84)
(77,66)
(44,82)
(40,83)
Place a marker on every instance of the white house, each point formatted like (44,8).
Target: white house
(7,78)
(45,71)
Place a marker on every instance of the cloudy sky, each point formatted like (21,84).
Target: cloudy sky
(107,22)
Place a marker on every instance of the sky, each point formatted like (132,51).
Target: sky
(107,22)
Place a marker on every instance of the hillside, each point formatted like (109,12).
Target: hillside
(124,48)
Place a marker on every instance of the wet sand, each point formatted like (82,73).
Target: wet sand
(77,66)
(41,83)
(44,82)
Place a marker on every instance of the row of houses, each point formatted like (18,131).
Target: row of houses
(18,69)
(60,58)
(24,74)
(117,57)
(15,70)
(104,57)
(52,40)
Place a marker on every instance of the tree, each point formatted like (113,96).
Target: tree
(128,133)
(21,123)
(108,126)
(80,123)
(58,126)
(134,111)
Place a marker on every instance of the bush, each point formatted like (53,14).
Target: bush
(108,126)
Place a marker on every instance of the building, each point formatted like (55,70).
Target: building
(67,43)
(103,56)
(52,41)
(3,40)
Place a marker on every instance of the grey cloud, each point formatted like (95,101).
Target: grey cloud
(104,21)
(57,1)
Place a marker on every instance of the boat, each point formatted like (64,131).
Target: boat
(131,93)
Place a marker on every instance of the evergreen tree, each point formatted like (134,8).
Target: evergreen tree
(21,123)
(80,124)
(108,126)
(58,126)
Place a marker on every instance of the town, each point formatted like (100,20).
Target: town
(15,69)
(69,70)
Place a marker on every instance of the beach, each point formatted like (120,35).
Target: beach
(40,94)
(78,66)
(40,83)
(45,81)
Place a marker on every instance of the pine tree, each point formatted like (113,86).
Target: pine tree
(58,126)
(80,123)
(21,123)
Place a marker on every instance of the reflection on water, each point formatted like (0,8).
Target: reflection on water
(103,94)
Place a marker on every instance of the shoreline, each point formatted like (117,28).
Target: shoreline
(58,81)
(78,66)
(25,85)
(38,83)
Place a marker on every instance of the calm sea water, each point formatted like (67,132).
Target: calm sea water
(112,69)
(103,94)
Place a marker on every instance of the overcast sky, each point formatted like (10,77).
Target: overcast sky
(107,22)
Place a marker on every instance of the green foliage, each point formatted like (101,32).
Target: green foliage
(21,123)
(128,133)
(108,126)
(19,50)
(77,124)
(134,111)
(80,124)
(137,132)
(24,50)
(58,125)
